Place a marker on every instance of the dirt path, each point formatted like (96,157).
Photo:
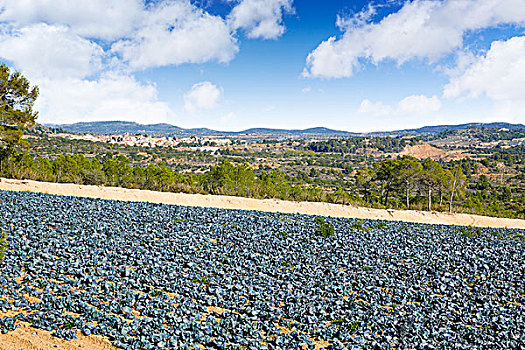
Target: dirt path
(28,338)
(270,205)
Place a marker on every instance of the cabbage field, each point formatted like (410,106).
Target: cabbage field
(151,276)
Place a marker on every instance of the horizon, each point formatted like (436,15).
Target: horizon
(232,65)
(284,129)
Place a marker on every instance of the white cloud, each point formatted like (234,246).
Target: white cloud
(99,19)
(499,75)
(112,97)
(82,54)
(419,104)
(376,109)
(164,33)
(410,105)
(306,90)
(45,50)
(419,30)
(331,60)
(177,32)
(202,95)
(161,33)
(261,18)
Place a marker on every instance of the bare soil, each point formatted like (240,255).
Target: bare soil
(425,150)
(268,205)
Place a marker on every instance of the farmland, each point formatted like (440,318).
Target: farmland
(152,276)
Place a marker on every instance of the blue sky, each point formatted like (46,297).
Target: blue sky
(235,64)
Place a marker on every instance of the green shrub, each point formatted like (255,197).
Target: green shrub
(204,279)
(359,225)
(380,225)
(286,263)
(68,325)
(468,232)
(3,245)
(353,325)
(497,235)
(155,293)
(338,322)
(323,229)
(520,236)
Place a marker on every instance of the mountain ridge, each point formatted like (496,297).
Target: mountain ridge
(121,127)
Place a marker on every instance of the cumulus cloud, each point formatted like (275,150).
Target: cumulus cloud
(98,19)
(419,104)
(46,50)
(202,95)
(376,109)
(499,74)
(261,18)
(111,97)
(425,29)
(82,53)
(177,32)
(414,104)
(163,33)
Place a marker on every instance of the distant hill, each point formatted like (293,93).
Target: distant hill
(295,132)
(120,127)
(117,127)
(431,130)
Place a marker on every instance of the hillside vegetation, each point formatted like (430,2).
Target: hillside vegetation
(380,172)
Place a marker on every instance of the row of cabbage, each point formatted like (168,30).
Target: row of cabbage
(161,276)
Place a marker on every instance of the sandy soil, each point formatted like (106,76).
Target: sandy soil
(270,205)
(28,338)
(425,150)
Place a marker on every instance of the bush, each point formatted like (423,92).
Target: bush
(468,232)
(3,246)
(380,225)
(324,229)
(359,225)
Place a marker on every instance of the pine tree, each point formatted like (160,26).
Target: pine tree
(17,98)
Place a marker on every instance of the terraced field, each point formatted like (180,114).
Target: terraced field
(155,276)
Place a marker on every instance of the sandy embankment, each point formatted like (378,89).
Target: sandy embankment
(270,205)
(27,338)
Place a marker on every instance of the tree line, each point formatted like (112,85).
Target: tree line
(407,177)
(388,184)
(352,145)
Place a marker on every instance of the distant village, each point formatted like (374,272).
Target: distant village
(210,144)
